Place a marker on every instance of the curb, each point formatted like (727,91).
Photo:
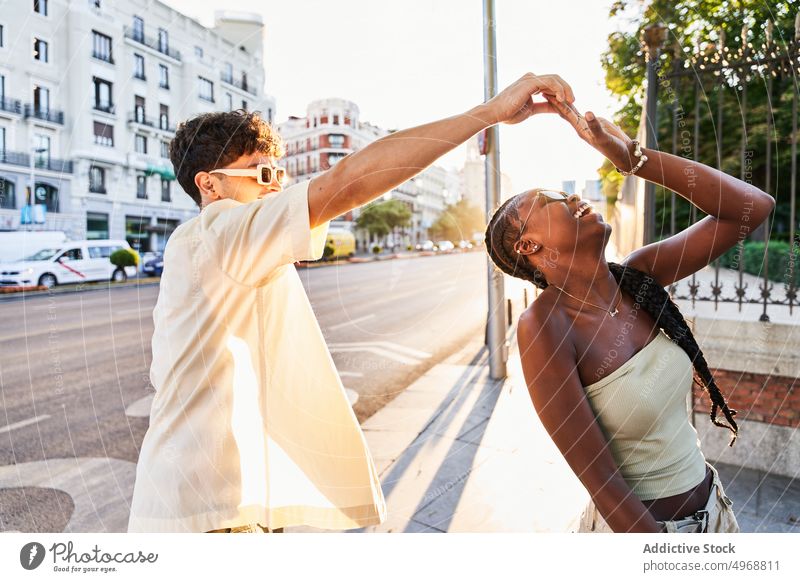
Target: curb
(21,293)
(359,260)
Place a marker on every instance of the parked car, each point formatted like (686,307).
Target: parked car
(426,246)
(465,245)
(70,262)
(153,265)
(18,244)
(445,246)
(342,241)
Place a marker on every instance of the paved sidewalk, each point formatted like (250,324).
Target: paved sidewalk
(457,452)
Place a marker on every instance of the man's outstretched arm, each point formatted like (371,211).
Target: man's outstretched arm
(391,160)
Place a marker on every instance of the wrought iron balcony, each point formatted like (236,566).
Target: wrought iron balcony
(152,43)
(51,115)
(39,162)
(239,84)
(11,105)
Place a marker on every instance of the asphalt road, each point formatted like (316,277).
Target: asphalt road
(76,395)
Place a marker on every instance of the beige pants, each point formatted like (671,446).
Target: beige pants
(719,508)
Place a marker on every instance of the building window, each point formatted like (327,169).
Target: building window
(102,95)
(336,119)
(198,51)
(140,142)
(138,109)
(269,114)
(41,150)
(96,226)
(166,194)
(96,3)
(163,76)
(228,102)
(40,50)
(141,186)
(2,143)
(97,179)
(244,81)
(227,73)
(138,66)
(101,47)
(41,99)
(206,89)
(40,6)
(8,194)
(336,140)
(2,36)
(104,134)
(47,195)
(138,29)
(165,149)
(244,104)
(163,117)
(163,41)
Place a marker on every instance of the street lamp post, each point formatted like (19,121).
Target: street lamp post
(496,321)
(32,177)
(653,38)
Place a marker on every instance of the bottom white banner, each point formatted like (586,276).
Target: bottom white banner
(338,556)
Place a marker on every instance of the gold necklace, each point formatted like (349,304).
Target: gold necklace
(611,313)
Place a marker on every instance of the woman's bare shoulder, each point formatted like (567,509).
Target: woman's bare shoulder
(544,328)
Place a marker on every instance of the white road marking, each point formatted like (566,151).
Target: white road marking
(387,346)
(351,322)
(141,407)
(375,350)
(92,483)
(21,423)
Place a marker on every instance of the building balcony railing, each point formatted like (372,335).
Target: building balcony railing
(11,105)
(161,124)
(239,84)
(53,164)
(39,162)
(152,43)
(14,158)
(51,115)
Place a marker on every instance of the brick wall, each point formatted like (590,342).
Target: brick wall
(765,398)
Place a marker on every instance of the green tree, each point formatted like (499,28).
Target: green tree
(458,222)
(704,26)
(381,218)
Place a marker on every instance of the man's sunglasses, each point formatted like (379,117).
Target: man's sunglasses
(263,173)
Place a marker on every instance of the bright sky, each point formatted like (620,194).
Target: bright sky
(407,63)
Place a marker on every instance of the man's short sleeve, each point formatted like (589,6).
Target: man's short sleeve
(251,240)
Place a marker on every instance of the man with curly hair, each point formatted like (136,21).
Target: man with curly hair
(250,428)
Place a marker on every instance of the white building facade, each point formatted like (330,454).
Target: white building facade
(332,129)
(92,91)
(473,179)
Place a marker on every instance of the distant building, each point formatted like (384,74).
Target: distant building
(473,178)
(90,94)
(332,129)
(568,186)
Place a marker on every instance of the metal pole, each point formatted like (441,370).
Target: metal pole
(652,37)
(495,324)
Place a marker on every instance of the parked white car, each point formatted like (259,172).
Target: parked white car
(70,262)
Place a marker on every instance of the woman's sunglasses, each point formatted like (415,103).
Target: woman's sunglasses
(553,194)
(263,173)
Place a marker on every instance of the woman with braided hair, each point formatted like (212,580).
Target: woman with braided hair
(607,356)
